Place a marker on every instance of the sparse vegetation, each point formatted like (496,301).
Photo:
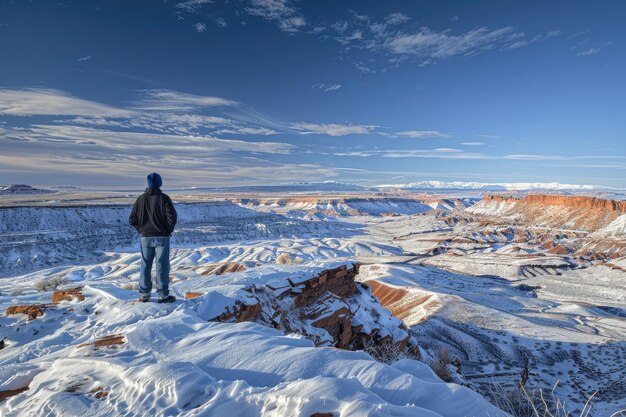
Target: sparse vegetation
(442,363)
(382,352)
(286,259)
(522,402)
(51,284)
(134,286)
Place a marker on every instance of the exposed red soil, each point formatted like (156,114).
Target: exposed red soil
(11,392)
(111,340)
(68,295)
(32,311)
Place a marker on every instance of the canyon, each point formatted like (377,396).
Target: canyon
(504,283)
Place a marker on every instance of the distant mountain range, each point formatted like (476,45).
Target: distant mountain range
(21,189)
(291,187)
(480,186)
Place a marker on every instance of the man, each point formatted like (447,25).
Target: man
(154,217)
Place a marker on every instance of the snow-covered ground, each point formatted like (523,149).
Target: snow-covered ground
(489,296)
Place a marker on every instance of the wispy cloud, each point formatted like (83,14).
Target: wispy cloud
(199,27)
(327,87)
(46,101)
(422,134)
(175,100)
(193,6)
(84,58)
(282,12)
(594,49)
(395,35)
(535,157)
(472,143)
(438,45)
(333,129)
(537,38)
(248,131)
(438,153)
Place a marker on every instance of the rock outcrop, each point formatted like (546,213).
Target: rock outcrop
(32,311)
(329,308)
(111,340)
(68,295)
(590,203)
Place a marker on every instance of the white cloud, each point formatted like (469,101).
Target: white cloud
(192,6)
(333,129)
(176,101)
(472,143)
(84,58)
(534,157)
(396,18)
(439,45)
(249,131)
(288,18)
(44,101)
(327,87)
(422,134)
(199,27)
(112,142)
(595,49)
(439,153)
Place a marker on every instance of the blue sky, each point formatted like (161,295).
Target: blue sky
(274,91)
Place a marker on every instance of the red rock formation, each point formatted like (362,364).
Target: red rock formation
(190,295)
(591,203)
(32,311)
(219,269)
(401,303)
(321,302)
(11,392)
(68,295)
(111,340)
(240,313)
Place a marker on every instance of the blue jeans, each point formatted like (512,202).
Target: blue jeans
(158,246)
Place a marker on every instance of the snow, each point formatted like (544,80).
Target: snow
(175,362)
(463,284)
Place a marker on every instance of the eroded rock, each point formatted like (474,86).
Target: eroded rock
(32,311)
(111,340)
(68,295)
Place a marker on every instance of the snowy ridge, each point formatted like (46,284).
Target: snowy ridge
(168,360)
(339,207)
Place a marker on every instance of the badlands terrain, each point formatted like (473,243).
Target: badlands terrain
(297,302)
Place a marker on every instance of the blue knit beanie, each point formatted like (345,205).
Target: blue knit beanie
(154,180)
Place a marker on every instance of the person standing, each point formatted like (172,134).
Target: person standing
(154,216)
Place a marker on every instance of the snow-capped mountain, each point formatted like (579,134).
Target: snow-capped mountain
(500,186)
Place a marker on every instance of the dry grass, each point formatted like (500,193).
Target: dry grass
(286,259)
(522,402)
(442,363)
(134,286)
(52,284)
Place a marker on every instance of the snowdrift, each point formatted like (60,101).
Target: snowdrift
(107,355)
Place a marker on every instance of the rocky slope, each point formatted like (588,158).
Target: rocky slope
(251,343)
(563,212)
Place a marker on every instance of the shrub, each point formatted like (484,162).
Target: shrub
(52,284)
(441,364)
(520,402)
(286,259)
(131,286)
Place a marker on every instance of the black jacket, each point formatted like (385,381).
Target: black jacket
(153,214)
